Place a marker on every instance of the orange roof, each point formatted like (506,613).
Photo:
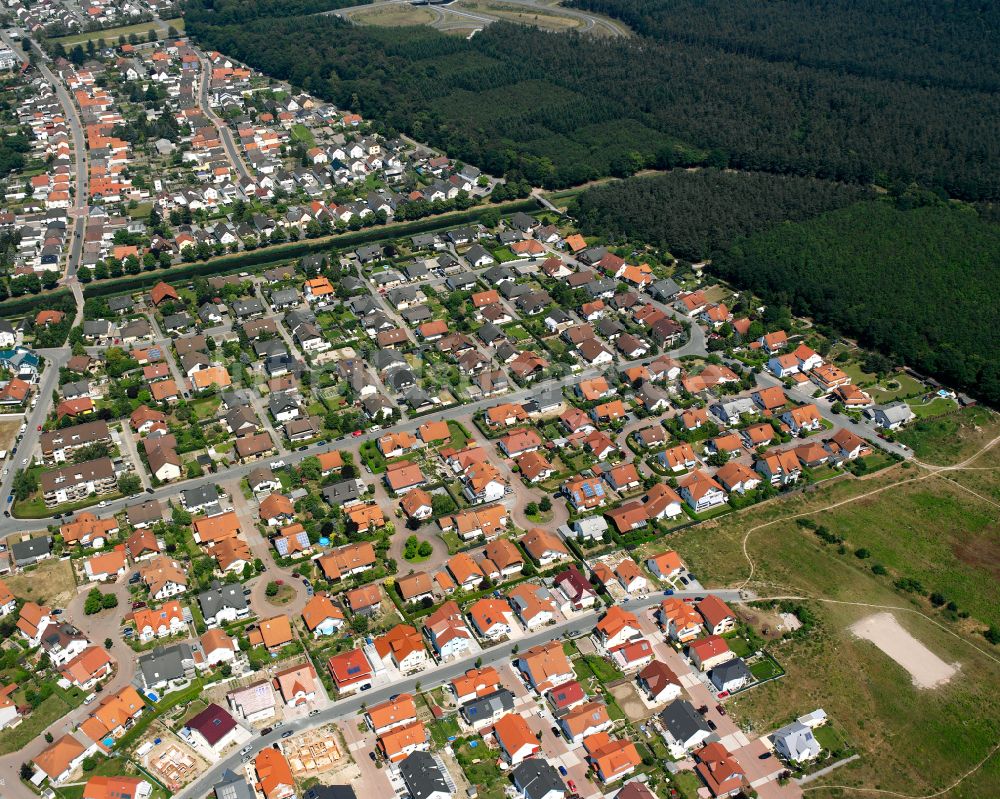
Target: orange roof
(111,787)
(399,710)
(414,500)
(513,732)
(275,505)
(330,461)
(108,562)
(616,620)
(147,617)
(299,679)
(272,633)
(395,742)
(273,773)
(90,662)
(347,558)
(667,561)
(211,529)
(319,609)
(401,641)
(463,568)
(434,431)
(216,638)
(585,716)
(611,757)
(479,681)
(487,612)
(6,596)
(57,757)
(212,376)
(366,516)
(576,242)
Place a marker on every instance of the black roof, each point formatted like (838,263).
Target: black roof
(537,778)
(682,721)
(422,775)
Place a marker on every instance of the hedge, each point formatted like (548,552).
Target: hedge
(244,261)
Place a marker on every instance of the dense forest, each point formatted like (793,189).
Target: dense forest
(12,152)
(945,44)
(917,282)
(694,213)
(560,109)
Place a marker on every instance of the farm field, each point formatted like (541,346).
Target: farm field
(110,35)
(930,531)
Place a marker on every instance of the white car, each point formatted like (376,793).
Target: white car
(277,464)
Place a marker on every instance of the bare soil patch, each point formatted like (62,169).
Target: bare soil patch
(926,669)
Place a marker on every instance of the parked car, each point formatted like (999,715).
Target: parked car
(267,730)
(562,770)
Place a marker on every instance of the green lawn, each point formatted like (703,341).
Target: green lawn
(929,530)
(687,783)
(947,439)
(443,729)
(459,438)
(111,35)
(764,670)
(936,407)
(49,711)
(602,669)
(301,133)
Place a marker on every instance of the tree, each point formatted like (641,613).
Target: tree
(26,771)
(109,601)
(531,509)
(545,505)
(108,643)
(48,737)
(129,484)
(862,553)
(425,550)
(271,589)
(93,604)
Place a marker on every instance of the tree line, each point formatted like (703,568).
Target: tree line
(917,281)
(954,44)
(695,213)
(561,109)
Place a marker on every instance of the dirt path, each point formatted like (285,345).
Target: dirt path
(933,471)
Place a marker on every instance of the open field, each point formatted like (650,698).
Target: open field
(394,16)
(544,19)
(926,669)
(8,432)
(50,582)
(948,439)
(911,739)
(111,35)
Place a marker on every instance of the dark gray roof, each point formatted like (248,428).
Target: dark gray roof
(537,778)
(221,596)
(682,721)
(233,786)
(164,664)
(422,775)
(29,551)
(200,495)
(330,792)
(485,707)
(734,669)
(344,491)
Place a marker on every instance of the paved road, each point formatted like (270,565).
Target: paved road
(483,16)
(224,132)
(55,359)
(78,209)
(494,656)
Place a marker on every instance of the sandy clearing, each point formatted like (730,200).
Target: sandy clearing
(926,669)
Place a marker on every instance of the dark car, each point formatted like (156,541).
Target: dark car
(138,605)
(287,734)
(555,731)
(267,730)
(373,756)
(711,724)
(721,709)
